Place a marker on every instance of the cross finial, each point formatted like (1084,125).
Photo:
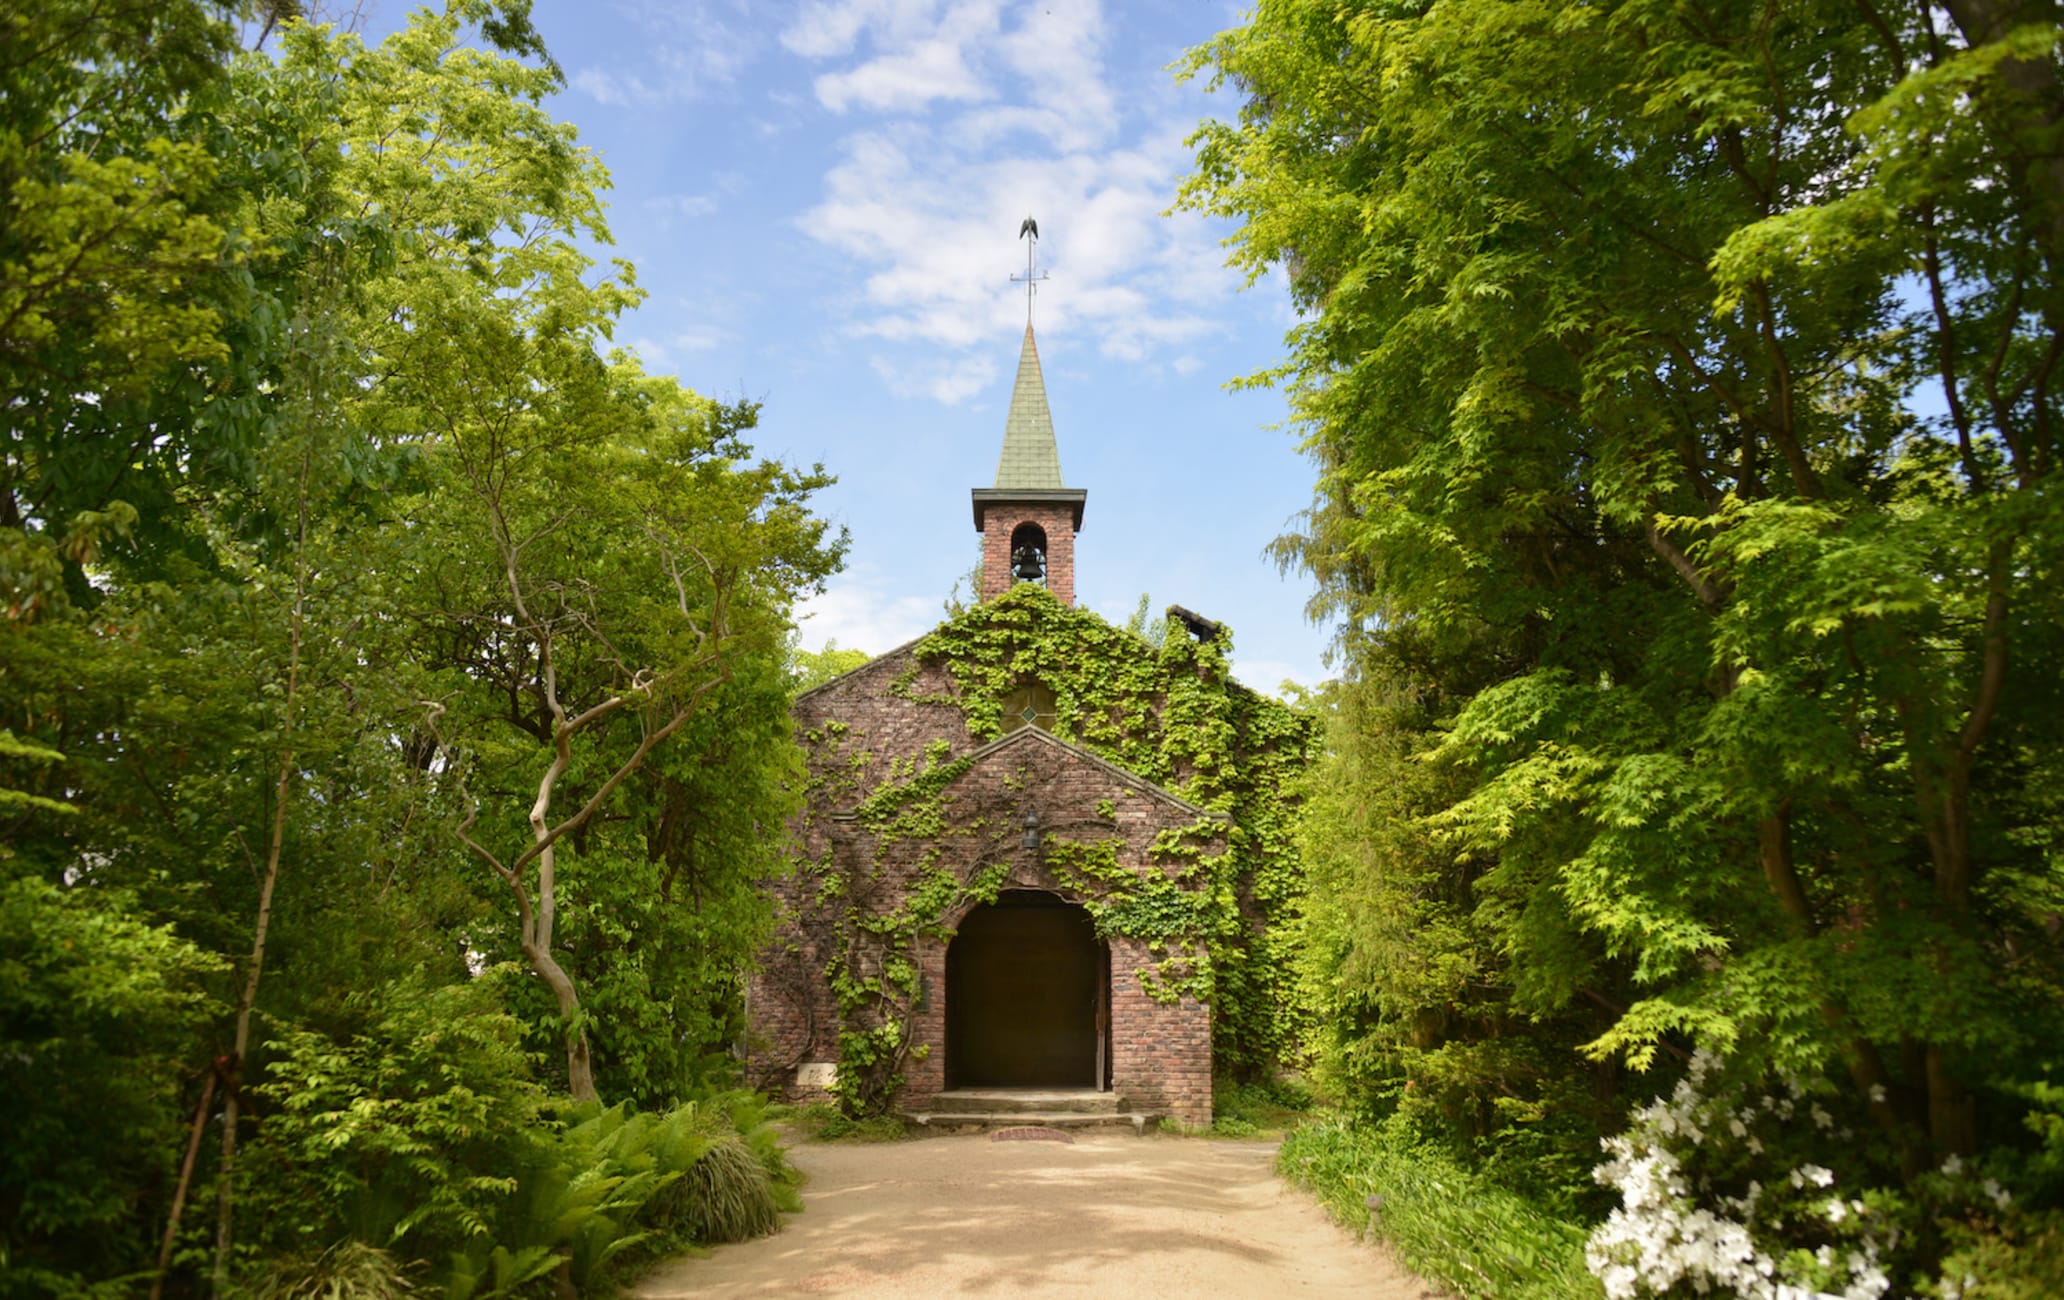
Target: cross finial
(1029,232)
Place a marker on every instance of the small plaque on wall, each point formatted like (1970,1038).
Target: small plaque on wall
(816,1074)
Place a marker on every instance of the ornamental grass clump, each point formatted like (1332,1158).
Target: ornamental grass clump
(349,1270)
(726,1177)
(726,1195)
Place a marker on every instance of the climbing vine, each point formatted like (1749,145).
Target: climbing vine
(1213,916)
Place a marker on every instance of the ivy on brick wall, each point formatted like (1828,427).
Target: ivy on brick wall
(1220,919)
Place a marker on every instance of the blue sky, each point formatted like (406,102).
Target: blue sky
(822,199)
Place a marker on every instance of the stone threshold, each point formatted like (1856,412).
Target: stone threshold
(978,1110)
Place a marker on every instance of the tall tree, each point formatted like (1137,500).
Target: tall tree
(112,245)
(1681,381)
(319,431)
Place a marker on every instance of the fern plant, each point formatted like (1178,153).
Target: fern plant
(615,1187)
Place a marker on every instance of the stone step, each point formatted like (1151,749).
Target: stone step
(988,1121)
(1026,1101)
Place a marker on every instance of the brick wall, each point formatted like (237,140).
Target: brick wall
(1160,1052)
(1001,519)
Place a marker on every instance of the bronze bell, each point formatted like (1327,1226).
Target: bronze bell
(1028,565)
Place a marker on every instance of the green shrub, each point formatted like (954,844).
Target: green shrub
(1445,1222)
(422,1134)
(99,1015)
(751,1117)
(2009,1257)
(406,1134)
(1263,1106)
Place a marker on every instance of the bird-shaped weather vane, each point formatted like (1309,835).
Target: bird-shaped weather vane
(1029,232)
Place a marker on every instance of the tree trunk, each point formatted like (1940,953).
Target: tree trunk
(275,842)
(580,1071)
(186,1168)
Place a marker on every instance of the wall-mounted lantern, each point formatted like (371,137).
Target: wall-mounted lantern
(1031,840)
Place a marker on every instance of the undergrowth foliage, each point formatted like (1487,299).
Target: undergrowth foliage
(422,1136)
(1446,1221)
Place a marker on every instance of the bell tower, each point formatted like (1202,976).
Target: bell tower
(1028,521)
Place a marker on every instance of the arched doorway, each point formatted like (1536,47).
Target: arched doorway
(1027,992)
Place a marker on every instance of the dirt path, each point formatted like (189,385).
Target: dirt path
(1118,1216)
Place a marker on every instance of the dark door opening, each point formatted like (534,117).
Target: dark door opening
(1025,996)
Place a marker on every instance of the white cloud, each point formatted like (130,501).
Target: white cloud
(832,28)
(949,382)
(694,48)
(968,116)
(665,354)
(699,338)
(1057,53)
(651,352)
(827,28)
(682,205)
(859,614)
(1268,675)
(611,88)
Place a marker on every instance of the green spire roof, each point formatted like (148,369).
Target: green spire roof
(1030,461)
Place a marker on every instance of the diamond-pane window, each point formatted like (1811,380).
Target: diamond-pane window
(1029,705)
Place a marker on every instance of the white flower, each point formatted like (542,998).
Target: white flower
(1675,1233)
(1954,1165)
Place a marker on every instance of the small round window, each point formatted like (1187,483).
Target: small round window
(1030,705)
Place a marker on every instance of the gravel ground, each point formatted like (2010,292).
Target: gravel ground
(1120,1216)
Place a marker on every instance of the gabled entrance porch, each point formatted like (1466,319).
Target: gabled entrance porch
(1028,1020)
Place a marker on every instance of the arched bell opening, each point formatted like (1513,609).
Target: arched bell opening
(1027,996)
(1028,553)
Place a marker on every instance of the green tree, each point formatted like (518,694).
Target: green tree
(112,254)
(1679,379)
(1153,631)
(816,667)
(240,564)
(603,572)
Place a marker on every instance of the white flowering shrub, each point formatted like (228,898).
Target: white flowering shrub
(1716,1200)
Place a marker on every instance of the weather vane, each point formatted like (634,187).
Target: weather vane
(1029,232)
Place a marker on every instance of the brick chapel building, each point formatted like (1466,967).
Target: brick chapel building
(1021,833)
